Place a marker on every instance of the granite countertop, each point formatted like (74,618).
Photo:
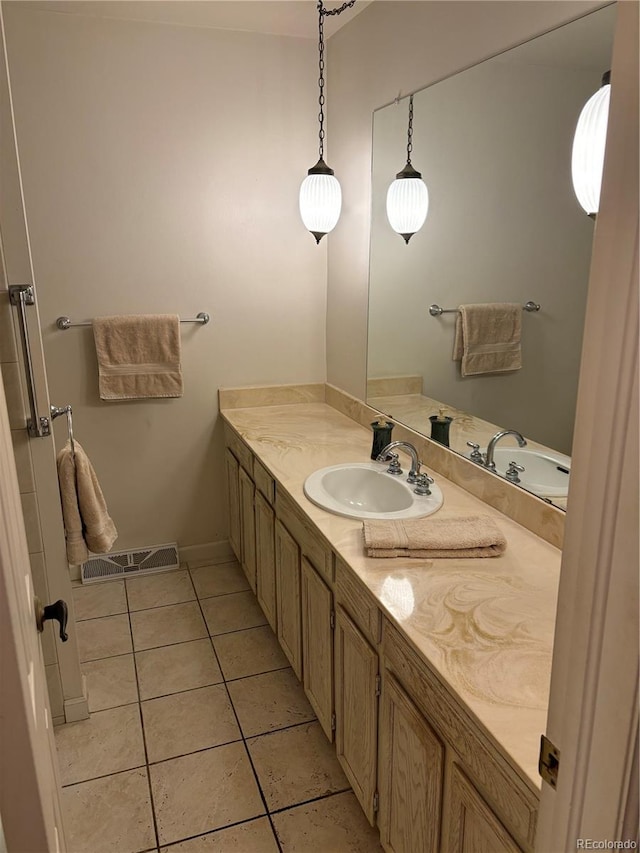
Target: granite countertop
(485,626)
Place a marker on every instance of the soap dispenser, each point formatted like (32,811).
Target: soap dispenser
(440,424)
(381,437)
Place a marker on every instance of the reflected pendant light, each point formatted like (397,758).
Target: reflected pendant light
(408,197)
(587,157)
(320,193)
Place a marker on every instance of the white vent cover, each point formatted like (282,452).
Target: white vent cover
(118,564)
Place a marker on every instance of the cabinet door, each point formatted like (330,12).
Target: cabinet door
(266,559)
(317,644)
(233,500)
(411,775)
(356,683)
(248,526)
(472,825)
(288,597)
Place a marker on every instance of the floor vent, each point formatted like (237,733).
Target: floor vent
(123,564)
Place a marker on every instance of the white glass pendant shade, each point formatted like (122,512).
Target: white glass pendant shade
(407,205)
(587,158)
(320,201)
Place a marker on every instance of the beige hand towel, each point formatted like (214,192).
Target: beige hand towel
(487,338)
(87,524)
(475,536)
(138,356)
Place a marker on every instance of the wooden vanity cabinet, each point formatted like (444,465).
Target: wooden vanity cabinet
(232,468)
(248,526)
(288,596)
(318,619)
(266,559)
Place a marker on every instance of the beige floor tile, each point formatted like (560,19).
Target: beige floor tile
(186,722)
(249,652)
(255,836)
(100,599)
(111,682)
(163,626)
(108,742)
(219,580)
(271,701)
(295,765)
(104,637)
(233,612)
(158,590)
(204,791)
(110,814)
(336,824)
(172,669)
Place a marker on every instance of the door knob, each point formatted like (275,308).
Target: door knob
(58,610)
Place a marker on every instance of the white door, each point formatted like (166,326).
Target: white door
(29,785)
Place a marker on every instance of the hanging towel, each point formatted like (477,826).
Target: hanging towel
(425,538)
(487,338)
(87,524)
(138,356)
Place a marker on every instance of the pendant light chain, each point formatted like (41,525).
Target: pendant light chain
(321,13)
(410,131)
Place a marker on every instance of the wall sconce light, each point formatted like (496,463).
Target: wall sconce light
(408,197)
(320,193)
(587,157)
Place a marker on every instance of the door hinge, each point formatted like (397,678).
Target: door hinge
(549,762)
(332,620)
(378,685)
(376,801)
(333,722)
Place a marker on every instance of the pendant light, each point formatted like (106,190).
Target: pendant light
(408,197)
(587,157)
(320,193)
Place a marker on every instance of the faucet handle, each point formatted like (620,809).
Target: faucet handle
(423,481)
(394,464)
(475,454)
(512,472)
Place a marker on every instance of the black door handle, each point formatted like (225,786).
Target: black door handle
(58,610)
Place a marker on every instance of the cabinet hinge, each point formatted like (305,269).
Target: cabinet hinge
(332,620)
(378,685)
(549,761)
(333,722)
(376,801)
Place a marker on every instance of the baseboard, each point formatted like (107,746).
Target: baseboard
(77,709)
(207,554)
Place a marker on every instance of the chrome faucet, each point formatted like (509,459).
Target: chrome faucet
(385,454)
(488,461)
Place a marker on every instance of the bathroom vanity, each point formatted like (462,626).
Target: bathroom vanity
(431,677)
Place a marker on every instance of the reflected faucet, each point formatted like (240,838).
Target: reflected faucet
(385,453)
(488,462)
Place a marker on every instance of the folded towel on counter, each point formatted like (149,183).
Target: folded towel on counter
(138,356)
(487,338)
(87,524)
(432,538)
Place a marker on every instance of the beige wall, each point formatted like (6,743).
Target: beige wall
(161,167)
(395,48)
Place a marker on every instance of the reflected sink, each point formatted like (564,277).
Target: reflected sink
(365,490)
(545,472)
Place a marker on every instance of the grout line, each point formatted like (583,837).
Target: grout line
(237,630)
(105,775)
(312,800)
(196,751)
(216,831)
(282,729)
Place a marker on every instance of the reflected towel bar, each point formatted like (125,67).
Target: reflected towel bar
(64,323)
(436,310)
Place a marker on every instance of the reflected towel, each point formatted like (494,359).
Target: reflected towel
(138,356)
(432,538)
(487,338)
(87,524)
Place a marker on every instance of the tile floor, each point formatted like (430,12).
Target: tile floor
(201,739)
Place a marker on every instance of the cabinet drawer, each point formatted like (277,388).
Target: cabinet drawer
(239,449)
(264,481)
(311,545)
(358,602)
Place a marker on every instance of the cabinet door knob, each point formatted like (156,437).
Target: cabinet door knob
(58,610)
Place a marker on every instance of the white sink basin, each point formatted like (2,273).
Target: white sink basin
(365,490)
(545,472)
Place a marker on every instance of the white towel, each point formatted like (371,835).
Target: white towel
(87,524)
(487,338)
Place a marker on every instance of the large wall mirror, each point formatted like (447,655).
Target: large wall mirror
(493,144)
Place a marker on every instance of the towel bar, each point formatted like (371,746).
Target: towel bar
(436,310)
(56,411)
(64,323)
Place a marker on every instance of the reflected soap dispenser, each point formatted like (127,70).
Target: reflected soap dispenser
(440,424)
(381,437)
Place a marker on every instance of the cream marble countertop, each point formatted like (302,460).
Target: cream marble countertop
(484,626)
